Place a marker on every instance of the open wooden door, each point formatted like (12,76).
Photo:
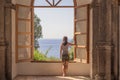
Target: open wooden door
(81,33)
(24,33)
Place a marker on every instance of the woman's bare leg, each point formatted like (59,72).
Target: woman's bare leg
(66,67)
(63,69)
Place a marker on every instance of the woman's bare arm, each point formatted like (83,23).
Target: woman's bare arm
(71,44)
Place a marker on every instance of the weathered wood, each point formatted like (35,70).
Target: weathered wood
(115,39)
(8,41)
(95,7)
(105,39)
(2,41)
(5,40)
(2,63)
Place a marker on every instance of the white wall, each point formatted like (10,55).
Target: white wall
(33,68)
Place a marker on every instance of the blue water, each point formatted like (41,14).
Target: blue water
(52,44)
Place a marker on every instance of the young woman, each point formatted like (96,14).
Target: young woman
(64,54)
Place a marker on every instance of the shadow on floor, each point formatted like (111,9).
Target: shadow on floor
(51,78)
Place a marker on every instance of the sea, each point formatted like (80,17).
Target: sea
(51,47)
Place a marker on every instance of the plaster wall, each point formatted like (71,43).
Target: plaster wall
(14,66)
(33,68)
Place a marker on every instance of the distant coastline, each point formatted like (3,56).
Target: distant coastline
(52,44)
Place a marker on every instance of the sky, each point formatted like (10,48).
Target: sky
(56,22)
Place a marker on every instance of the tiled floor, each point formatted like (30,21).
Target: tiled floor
(51,78)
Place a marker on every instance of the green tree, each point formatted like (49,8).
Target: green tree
(37,31)
(71,53)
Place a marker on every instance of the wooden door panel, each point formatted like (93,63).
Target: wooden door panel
(81,34)
(24,33)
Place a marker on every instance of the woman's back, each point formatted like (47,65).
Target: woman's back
(65,48)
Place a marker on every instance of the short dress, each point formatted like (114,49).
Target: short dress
(65,55)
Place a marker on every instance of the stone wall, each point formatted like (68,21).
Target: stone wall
(105,40)
(115,39)
(2,41)
(5,39)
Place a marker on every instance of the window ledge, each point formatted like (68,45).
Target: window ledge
(51,61)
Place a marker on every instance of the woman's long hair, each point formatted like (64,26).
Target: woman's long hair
(65,40)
